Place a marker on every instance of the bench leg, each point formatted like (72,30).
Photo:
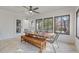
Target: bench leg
(21,39)
(41,50)
(43,46)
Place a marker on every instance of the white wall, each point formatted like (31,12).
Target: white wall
(8,22)
(76,39)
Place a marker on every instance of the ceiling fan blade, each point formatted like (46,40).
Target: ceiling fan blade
(36,8)
(30,8)
(35,11)
(25,7)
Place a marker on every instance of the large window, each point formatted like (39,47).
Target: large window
(45,25)
(77,24)
(39,25)
(62,24)
(18,26)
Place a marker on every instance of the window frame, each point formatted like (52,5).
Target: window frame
(18,26)
(76,23)
(61,24)
(52,23)
(44,24)
(36,24)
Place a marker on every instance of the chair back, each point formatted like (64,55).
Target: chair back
(55,38)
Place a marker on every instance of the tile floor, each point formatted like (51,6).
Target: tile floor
(15,46)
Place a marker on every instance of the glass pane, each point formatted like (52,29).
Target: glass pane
(62,24)
(57,24)
(48,25)
(18,26)
(50,22)
(65,24)
(40,25)
(45,25)
(78,25)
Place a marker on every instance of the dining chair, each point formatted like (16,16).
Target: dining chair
(52,40)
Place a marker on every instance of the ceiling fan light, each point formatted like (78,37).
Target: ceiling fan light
(30,11)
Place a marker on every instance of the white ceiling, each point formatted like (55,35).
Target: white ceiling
(42,9)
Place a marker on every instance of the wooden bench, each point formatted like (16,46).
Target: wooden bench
(38,42)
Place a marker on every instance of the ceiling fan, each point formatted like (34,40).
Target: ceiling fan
(31,9)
